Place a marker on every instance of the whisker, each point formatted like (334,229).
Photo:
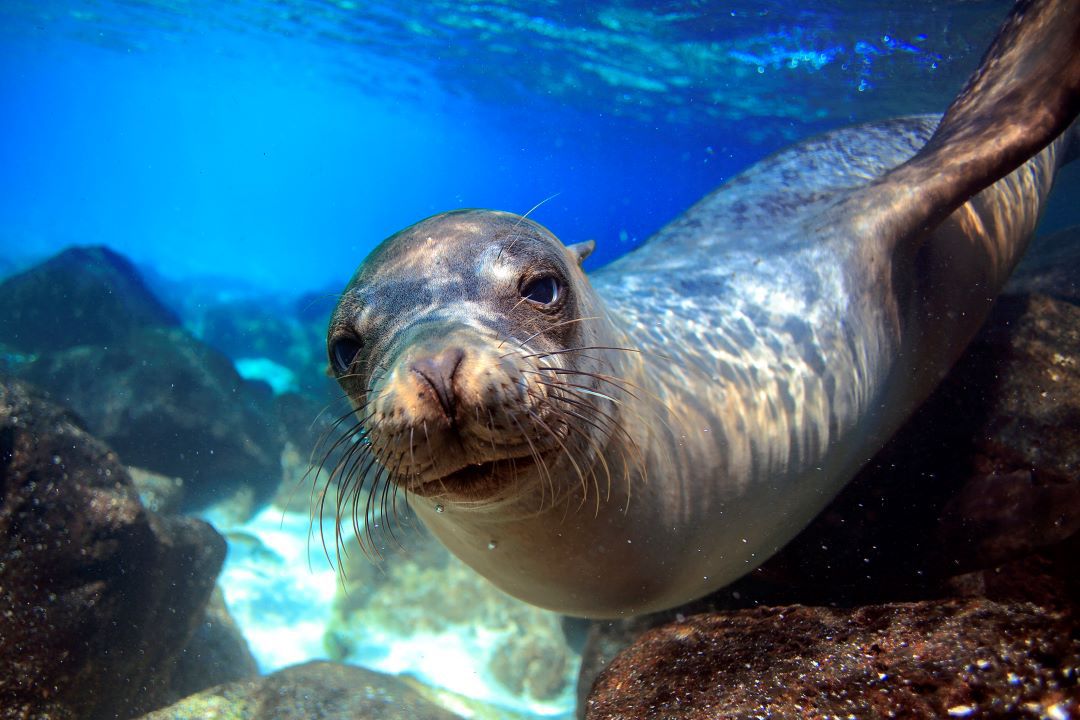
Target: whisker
(563,351)
(546,329)
(538,458)
(521,220)
(599,453)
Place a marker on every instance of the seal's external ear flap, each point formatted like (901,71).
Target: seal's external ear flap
(582,250)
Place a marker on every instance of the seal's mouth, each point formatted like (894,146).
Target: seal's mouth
(478,479)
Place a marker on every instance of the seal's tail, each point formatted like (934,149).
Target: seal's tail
(1025,93)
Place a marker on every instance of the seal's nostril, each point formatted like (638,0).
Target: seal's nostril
(438,370)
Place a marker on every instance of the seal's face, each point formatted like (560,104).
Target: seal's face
(462,343)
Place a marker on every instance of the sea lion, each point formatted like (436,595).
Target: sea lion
(614,445)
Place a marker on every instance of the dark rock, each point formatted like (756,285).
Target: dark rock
(957,658)
(169,403)
(158,493)
(98,596)
(323,690)
(1051,267)
(216,654)
(1026,363)
(996,518)
(83,296)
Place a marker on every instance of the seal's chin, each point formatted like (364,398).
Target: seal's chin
(478,480)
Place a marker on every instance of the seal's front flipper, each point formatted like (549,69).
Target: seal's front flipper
(1025,93)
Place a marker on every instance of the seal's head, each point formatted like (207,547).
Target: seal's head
(463,343)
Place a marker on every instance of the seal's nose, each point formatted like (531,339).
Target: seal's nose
(438,371)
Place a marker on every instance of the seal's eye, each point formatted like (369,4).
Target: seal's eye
(343,353)
(543,290)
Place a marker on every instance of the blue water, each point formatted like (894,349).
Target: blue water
(269,145)
(276,142)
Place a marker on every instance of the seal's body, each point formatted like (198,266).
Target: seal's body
(627,445)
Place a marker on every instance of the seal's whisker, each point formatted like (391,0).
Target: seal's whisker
(322,296)
(563,351)
(313,469)
(369,475)
(431,454)
(569,455)
(614,433)
(370,507)
(346,437)
(518,222)
(546,481)
(626,438)
(353,432)
(354,437)
(405,477)
(558,382)
(386,495)
(519,303)
(598,453)
(345,488)
(540,332)
(620,383)
(372,497)
(621,446)
(531,210)
(360,471)
(321,504)
(572,389)
(491,431)
(654,407)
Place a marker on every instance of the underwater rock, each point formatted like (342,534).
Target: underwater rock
(98,596)
(323,690)
(954,658)
(1050,267)
(216,654)
(159,493)
(171,404)
(1026,363)
(82,296)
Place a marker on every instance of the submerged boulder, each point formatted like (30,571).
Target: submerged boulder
(217,653)
(84,326)
(82,296)
(98,596)
(934,659)
(171,404)
(324,690)
(1051,266)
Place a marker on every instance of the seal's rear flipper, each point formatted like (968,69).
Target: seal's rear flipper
(1025,93)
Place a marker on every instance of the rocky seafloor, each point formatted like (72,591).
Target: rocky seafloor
(943,582)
